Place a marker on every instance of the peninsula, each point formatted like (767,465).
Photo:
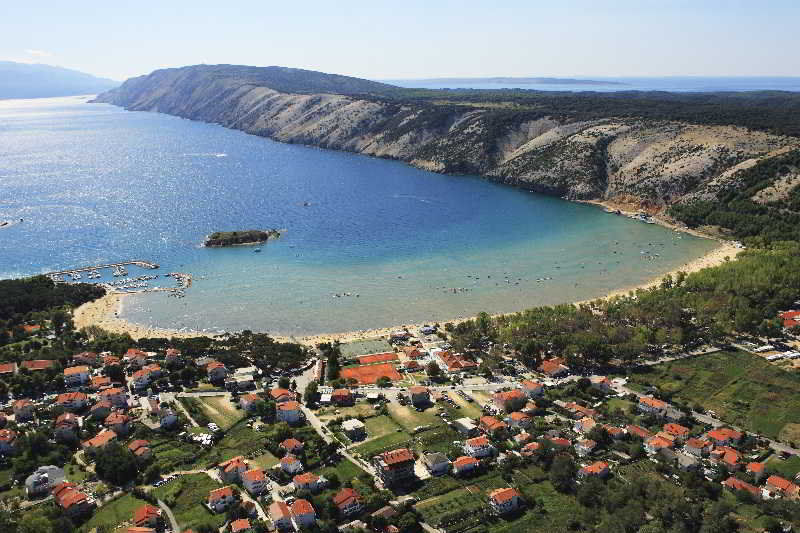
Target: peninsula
(237,238)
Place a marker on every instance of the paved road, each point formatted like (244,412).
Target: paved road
(167,511)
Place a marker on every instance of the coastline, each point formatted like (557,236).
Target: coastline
(105,311)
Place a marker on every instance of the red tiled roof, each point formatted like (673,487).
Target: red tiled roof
(234,463)
(418,390)
(595,468)
(781,484)
(755,467)
(305,479)
(345,497)
(738,484)
(117,418)
(255,474)
(501,496)
(277,393)
(659,442)
(478,441)
(551,365)
(559,441)
(69,397)
(301,507)
(73,370)
(398,456)
(66,495)
(531,447)
(491,423)
(289,406)
(218,494)
(139,443)
(8,368)
(102,404)
(145,514)
(697,443)
(67,419)
(101,439)
(653,402)
(37,364)
(724,434)
(506,396)
(676,429)
(279,511)
(291,444)
(342,393)
(639,431)
(8,435)
(464,461)
(241,524)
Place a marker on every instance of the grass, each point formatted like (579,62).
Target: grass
(786,468)
(221,411)
(344,470)
(618,403)
(408,417)
(741,388)
(114,513)
(375,446)
(185,496)
(265,461)
(75,473)
(378,426)
(360,409)
(365,347)
(238,440)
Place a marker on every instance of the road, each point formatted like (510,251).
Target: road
(171,517)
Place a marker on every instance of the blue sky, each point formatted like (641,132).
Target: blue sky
(411,39)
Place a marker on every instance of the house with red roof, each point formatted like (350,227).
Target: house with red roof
(291,445)
(602,384)
(118,422)
(533,389)
(291,464)
(584,425)
(782,487)
(216,371)
(530,449)
(342,397)
(254,481)
(465,464)
(289,412)
(585,447)
(723,436)
(140,448)
(736,484)
(147,516)
(598,468)
(657,443)
(100,410)
(242,525)
(559,442)
(22,409)
(506,500)
(99,441)
(303,514)
(680,432)
(8,441)
(727,456)
(518,419)
(249,402)
(638,431)
(309,481)
(220,499)
(116,395)
(65,428)
(491,425)
(395,466)
(698,447)
(553,368)
(757,470)
(100,382)
(72,501)
(72,401)
(577,411)
(652,406)
(280,515)
(85,358)
(348,501)
(282,395)
(76,376)
(232,469)
(514,399)
(479,447)
(37,364)
(8,369)
(420,396)
(790,319)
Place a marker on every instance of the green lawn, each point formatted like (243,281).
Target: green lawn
(114,513)
(619,403)
(185,496)
(373,447)
(221,411)
(787,468)
(741,388)
(378,426)
(265,461)
(344,470)
(409,417)
(239,440)
(365,347)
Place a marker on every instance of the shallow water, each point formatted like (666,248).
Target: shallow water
(97,184)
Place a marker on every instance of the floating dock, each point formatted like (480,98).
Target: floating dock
(137,262)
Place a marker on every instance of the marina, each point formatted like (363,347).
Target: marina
(123,283)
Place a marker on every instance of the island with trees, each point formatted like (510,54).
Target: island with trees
(238,238)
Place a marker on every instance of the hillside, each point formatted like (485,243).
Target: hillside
(651,149)
(21,80)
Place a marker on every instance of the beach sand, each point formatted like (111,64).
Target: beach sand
(104,311)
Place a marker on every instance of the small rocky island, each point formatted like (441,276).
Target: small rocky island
(237,238)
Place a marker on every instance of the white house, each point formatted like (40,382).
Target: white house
(289,412)
(532,389)
(504,500)
(76,376)
(478,447)
(303,514)
(116,395)
(254,481)
(43,479)
(220,499)
(280,515)
(291,464)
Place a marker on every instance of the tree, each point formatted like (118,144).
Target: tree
(433,370)
(283,382)
(115,464)
(310,394)
(562,472)
(383,382)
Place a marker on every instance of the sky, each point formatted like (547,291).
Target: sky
(380,39)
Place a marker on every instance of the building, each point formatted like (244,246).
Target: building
(167,419)
(309,481)
(72,401)
(727,456)
(652,406)
(65,428)
(505,500)
(523,438)
(395,466)
(135,357)
(420,396)
(232,469)
(116,396)
(638,431)
(249,402)
(342,397)
(553,367)
(479,447)
(282,395)
(454,363)
(512,400)
(118,422)
(141,449)
(518,419)
(220,499)
(100,410)
(532,389)
(782,487)
(72,501)
(736,484)
(147,516)
(614,432)
(22,409)
(491,425)
(437,463)
(141,379)
(35,365)
(291,464)
(99,441)
(577,411)
(559,442)
(585,447)
(75,376)
(757,470)
(530,449)
(465,464)
(584,425)
(8,369)
(698,447)
(724,436)
(292,445)
(100,382)
(303,514)
(680,432)
(466,427)
(173,356)
(348,501)
(602,384)
(280,515)
(354,429)
(289,412)
(216,371)
(254,481)
(598,468)
(86,358)
(43,480)
(241,525)
(656,444)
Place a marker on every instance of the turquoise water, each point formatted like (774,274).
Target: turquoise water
(96,184)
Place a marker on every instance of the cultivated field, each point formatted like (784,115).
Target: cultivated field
(220,410)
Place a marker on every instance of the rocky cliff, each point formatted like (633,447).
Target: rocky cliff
(654,161)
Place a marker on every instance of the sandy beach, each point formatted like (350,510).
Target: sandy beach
(105,311)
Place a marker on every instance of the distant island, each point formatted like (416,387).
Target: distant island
(237,238)
(22,80)
(503,80)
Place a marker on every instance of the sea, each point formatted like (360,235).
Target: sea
(366,242)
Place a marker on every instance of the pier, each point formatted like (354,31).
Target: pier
(137,262)
(124,284)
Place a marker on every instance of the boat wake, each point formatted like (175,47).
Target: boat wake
(208,154)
